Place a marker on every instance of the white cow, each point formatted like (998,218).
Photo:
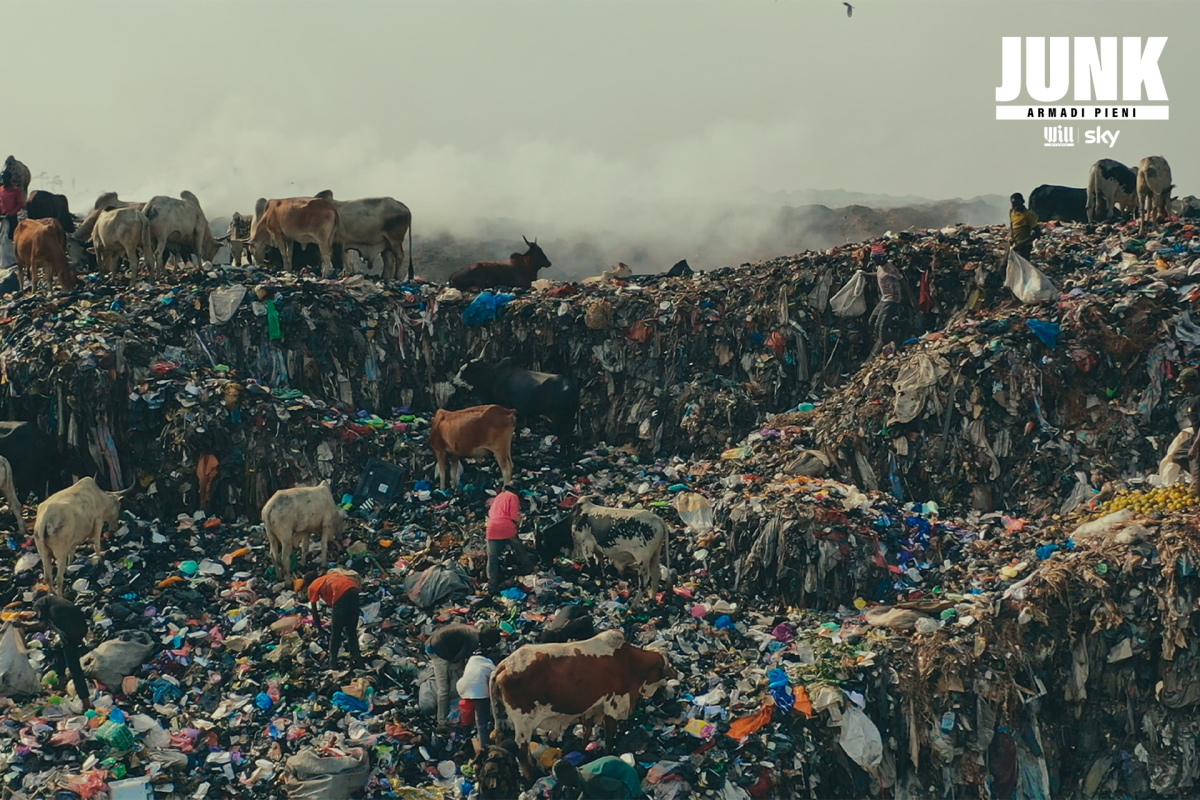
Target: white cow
(69,518)
(105,202)
(1110,183)
(9,486)
(626,537)
(290,518)
(1153,190)
(373,226)
(618,273)
(180,221)
(120,232)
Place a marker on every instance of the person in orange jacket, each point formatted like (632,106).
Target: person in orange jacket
(340,591)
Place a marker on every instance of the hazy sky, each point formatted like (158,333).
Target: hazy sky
(561,113)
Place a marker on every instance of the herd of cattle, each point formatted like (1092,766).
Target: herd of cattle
(1113,189)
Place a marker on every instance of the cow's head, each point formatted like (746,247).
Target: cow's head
(534,258)
(659,671)
(80,256)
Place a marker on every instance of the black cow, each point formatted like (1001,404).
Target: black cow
(48,205)
(1060,203)
(553,541)
(532,394)
(572,623)
(31,453)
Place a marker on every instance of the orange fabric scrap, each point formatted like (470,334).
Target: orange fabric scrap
(740,728)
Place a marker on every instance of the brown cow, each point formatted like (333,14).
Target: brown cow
(473,433)
(43,243)
(550,687)
(520,271)
(307,220)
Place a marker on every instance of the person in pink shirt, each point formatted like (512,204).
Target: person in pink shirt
(503,519)
(12,200)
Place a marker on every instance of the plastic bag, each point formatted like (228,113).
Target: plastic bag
(696,512)
(860,739)
(18,678)
(1171,471)
(851,299)
(1027,282)
(113,660)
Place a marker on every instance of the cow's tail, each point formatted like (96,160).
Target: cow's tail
(410,248)
(497,701)
(338,245)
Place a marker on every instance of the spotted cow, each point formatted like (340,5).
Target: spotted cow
(626,537)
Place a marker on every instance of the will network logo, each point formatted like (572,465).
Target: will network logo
(1059,136)
(1048,81)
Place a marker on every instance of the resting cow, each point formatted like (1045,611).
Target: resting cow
(572,623)
(290,518)
(48,205)
(1060,203)
(618,273)
(374,226)
(69,518)
(550,687)
(519,271)
(304,220)
(1153,190)
(179,220)
(626,537)
(473,433)
(41,243)
(532,394)
(1110,184)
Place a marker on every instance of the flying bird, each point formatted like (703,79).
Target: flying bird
(849,9)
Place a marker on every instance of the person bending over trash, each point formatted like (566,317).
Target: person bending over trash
(473,686)
(338,589)
(1023,227)
(503,518)
(895,295)
(606,778)
(449,648)
(65,618)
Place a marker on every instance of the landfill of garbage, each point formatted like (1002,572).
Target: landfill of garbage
(963,568)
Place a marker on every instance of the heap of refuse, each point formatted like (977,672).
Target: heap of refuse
(961,570)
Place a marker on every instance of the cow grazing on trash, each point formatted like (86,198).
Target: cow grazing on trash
(532,394)
(519,271)
(48,205)
(1110,184)
(550,687)
(626,537)
(290,518)
(1153,190)
(304,220)
(554,540)
(472,433)
(42,243)
(1061,203)
(122,232)
(69,518)
(374,226)
(107,201)
(179,220)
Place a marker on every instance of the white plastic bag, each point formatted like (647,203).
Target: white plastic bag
(1171,471)
(1027,282)
(851,299)
(18,678)
(696,512)
(860,739)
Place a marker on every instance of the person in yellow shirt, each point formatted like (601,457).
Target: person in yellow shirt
(1024,226)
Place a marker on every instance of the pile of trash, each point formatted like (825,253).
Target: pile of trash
(964,569)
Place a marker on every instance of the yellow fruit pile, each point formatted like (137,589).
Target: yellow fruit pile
(1172,498)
